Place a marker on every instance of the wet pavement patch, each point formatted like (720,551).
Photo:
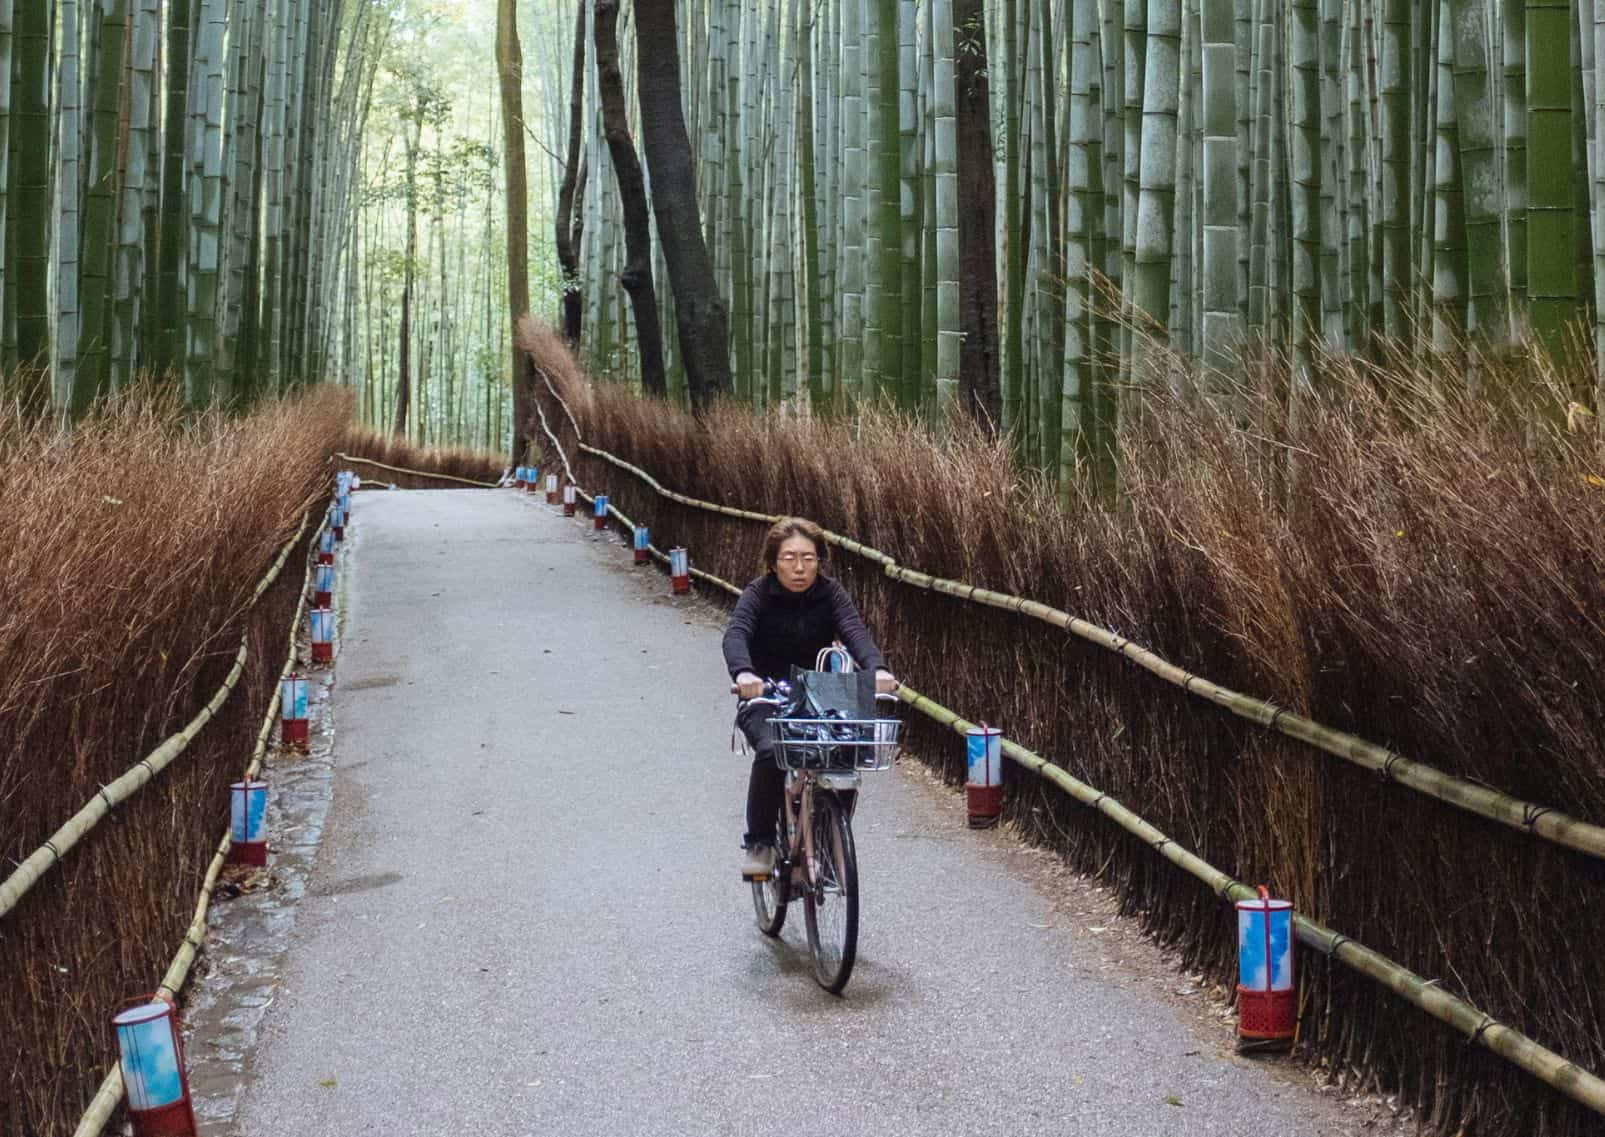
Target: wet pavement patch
(360,884)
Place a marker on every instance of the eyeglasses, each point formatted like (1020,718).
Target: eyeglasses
(806,559)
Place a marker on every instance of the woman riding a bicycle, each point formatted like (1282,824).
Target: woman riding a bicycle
(783,620)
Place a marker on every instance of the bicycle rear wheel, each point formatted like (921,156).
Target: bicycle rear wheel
(770,897)
(831,903)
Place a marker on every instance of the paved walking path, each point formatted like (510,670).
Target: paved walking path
(524,916)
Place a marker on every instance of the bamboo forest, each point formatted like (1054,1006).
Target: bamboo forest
(996,203)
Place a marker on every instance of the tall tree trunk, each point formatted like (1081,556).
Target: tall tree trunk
(703,323)
(637,275)
(977,220)
(568,255)
(398,425)
(510,68)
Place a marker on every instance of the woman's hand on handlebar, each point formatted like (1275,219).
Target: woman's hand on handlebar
(885,682)
(747,686)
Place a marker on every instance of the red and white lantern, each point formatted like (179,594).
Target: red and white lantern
(520,480)
(322,635)
(551,489)
(568,501)
(326,547)
(679,570)
(983,790)
(293,730)
(248,823)
(643,546)
(337,522)
(151,1053)
(599,512)
(323,586)
(1267,1011)
(532,480)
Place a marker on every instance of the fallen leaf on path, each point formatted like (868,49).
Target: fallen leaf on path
(327,1083)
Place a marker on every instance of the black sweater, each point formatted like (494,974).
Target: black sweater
(774,629)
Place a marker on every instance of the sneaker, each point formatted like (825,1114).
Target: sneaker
(758,862)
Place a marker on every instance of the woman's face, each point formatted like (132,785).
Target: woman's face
(797,563)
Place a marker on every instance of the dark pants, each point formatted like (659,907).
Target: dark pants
(766,785)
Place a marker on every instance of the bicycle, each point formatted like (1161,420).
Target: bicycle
(815,857)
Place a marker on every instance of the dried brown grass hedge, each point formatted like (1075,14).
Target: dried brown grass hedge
(129,550)
(456,461)
(1405,561)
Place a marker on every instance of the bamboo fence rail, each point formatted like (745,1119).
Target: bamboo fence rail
(1426,994)
(1545,822)
(110,1094)
(42,859)
(415,473)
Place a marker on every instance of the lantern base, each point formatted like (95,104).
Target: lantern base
(599,523)
(339,532)
(985,805)
(322,600)
(568,509)
(551,497)
(682,585)
(325,558)
(1266,1018)
(322,653)
(643,557)
(176,1120)
(529,487)
(253,853)
(295,734)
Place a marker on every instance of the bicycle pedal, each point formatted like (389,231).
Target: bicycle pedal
(756,878)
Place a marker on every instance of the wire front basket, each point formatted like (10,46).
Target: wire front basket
(835,743)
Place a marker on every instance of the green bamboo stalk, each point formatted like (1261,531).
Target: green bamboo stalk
(1013,229)
(1134,54)
(7,302)
(1080,172)
(1051,266)
(99,205)
(1551,241)
(1394,129)
(873,204)
(1449,261)
(813,292)
(945,146)
(1222,328)
(1483,194)
(1259,305)
(129,268)
(852,180)
(206,202)
(1361,279)
(905,257)
(1305,175)
(69,163)
(888,164)
(1335,286)
(1514,42)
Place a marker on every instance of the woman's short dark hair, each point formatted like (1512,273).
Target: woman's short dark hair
(785,529)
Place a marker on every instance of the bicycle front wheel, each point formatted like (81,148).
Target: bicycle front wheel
(831,902)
